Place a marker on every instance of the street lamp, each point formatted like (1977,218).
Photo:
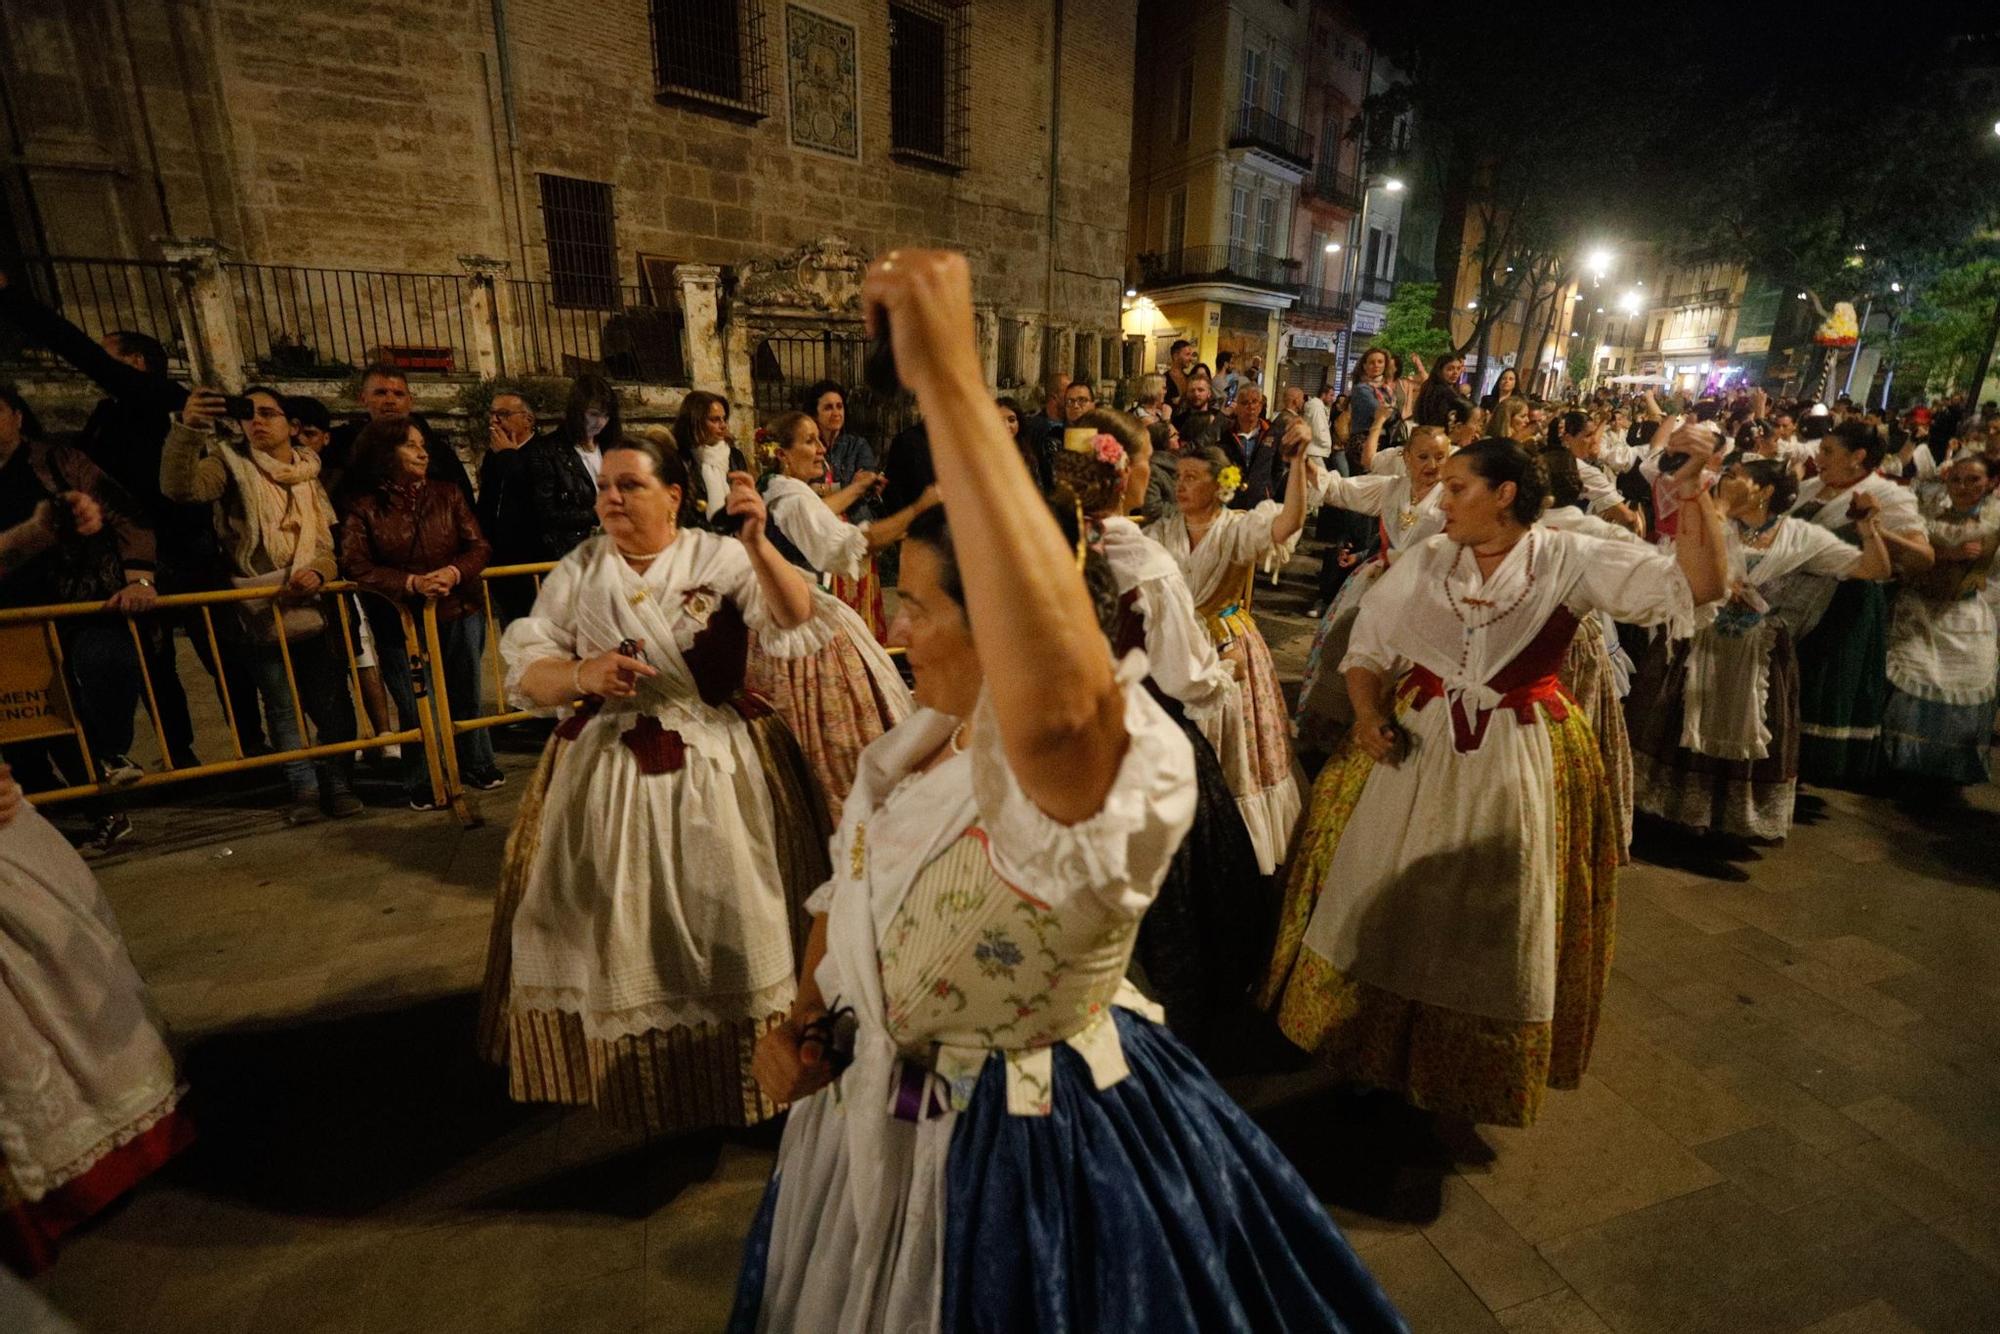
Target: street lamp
(1598,260)
(1472,305)
(1629,303)
(1393,186)
(1333,247)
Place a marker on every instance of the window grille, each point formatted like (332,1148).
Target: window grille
(711,54)
(583,246)
(929,81)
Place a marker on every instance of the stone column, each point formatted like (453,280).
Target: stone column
(701,342)
(1030,358)
(986,328)
(214,345)
(1084,353)
(483,313)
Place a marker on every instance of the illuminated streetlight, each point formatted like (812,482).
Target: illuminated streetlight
(1629,303)
(1393,186)
(1802,296)
(1599,260)
(1333,247)
(1895,287)
(1131,291)
(1600,310)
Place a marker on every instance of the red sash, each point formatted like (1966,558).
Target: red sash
(1528,680)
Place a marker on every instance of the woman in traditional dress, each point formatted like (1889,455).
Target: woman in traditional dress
(988,1131)
(855,496)
(1596,672)
(1219,550)
(1203,943)
(1404,505)
(843,697)
(89,1094)
(1941,663)
(1447,924)
(644,932)
(1715,718)
(1842,625)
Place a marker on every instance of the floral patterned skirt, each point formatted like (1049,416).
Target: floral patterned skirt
(865,596)
(1271,808)
(1586,674)
(833,707)
(1486,1070)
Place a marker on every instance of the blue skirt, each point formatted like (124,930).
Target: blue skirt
(1926,739)
(1154,1205)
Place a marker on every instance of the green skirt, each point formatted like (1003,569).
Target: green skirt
(1843,688)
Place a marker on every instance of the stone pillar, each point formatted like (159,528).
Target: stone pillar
(213,343)
(483,313)
(1032,370)
(1084,354)
(986,330)
(701,342)
(1058,353)
(1137,353)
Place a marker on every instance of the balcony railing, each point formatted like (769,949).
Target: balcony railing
(100,296)
(1332,186)
(623,335)
(297,322)
(1258,128)
(1377,289)
(1320,303)
(1219,263)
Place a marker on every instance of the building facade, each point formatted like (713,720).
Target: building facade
(540,186)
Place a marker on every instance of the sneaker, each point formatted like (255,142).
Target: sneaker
(343,804)
(1317,610)
(487,781)
(119,771)
(304,810)
(424,801)
(109,832)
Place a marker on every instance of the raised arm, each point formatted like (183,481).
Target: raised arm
(1293,516)
(1698,544)
(785,589)
(1372,439)
(1048,674)
(887,532)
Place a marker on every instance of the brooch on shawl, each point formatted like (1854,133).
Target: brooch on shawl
(698,604)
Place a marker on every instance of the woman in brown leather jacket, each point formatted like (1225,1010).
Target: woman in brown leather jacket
(412,538)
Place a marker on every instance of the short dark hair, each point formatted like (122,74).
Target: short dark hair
(1497,462)
(308,411)
(31,425)
(132,343)
(269,393)
(373,454)
(932,529)
(1223,358)
(384,370)
(1179,343)
(814,392)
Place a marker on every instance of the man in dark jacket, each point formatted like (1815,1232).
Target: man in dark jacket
(124,436)
(506,507)
(1253,445)
(385,392)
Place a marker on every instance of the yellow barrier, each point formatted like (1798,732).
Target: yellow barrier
(425,663)
(48,618)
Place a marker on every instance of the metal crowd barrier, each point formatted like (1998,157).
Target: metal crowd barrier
(68,720)
(436,727)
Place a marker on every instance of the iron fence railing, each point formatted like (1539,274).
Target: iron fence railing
(1331,185)
(1258,128)
(1377,289)
(101,296)
(627,339)
(783,364)
(1219,263)
(1322,303)
(310,322)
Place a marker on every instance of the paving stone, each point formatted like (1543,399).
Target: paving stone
(1561,1312)
(1775,1168)
(1874,1317)
(1426,1290)
(1591,1157)
(1499,1266)
(1714,1260)
(1906,1183)
(1671,1093)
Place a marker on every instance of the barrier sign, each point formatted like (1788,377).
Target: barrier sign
(33,703)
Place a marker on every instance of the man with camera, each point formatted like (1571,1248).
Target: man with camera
(72,535)
(275,525)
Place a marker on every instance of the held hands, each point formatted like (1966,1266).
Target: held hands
(1297,436)
(926,296)
(867,480)
(202,408)
(613,675)
(786,1067)
(434,584)
(303,584)
(746,504)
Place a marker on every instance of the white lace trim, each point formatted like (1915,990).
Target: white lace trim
(34,1183)
(656,1016)
(1271,813)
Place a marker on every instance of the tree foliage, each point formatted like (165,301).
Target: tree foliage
(1939,340)
(1410,326)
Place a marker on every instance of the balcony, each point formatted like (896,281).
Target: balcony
(1321,303)
(1378,290)
(1258,129)
(1329,185)
(1218,264)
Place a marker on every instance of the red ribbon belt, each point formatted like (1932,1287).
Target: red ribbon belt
(1468,733)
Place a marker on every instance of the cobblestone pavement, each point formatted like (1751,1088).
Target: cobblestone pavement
(1792,1120)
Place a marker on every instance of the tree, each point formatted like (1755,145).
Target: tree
(1939,341)
(1409,328)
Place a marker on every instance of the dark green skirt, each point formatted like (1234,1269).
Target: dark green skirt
(1843,688)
